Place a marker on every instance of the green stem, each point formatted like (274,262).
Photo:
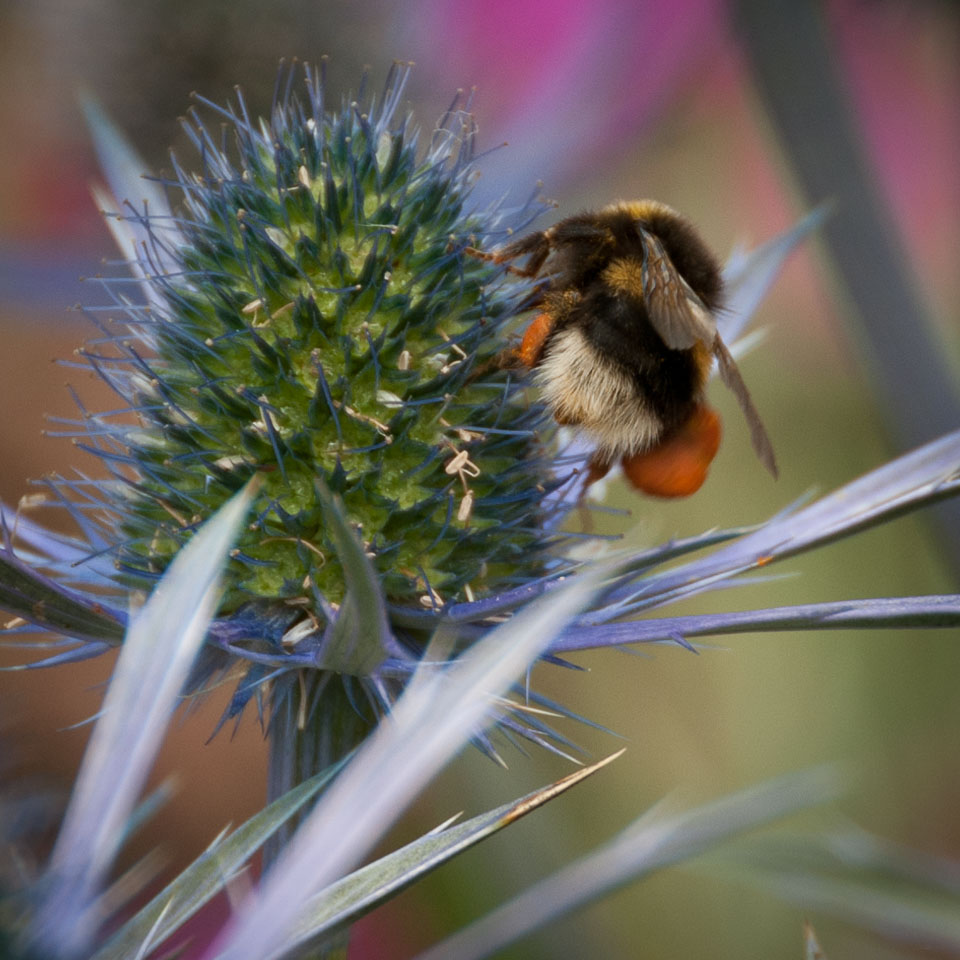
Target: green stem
(313,725)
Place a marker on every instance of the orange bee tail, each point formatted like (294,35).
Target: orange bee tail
(678,465)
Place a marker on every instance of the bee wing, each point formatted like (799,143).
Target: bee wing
(675,311)
(730,374)
(682,320)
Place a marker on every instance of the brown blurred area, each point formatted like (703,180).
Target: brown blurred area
(217,783)
(740,711)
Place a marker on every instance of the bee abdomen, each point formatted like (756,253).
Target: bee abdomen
(583,388)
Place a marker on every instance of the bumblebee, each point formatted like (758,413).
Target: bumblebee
(624,339)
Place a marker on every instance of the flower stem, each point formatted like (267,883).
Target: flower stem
(314,724)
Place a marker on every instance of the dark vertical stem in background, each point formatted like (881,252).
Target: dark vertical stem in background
(797,77)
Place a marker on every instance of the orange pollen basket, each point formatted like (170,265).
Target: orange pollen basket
(678,466)
(531,347)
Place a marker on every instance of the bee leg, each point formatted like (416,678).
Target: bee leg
(597,469)
(502,361)
(678,464)
(534,245)
(512,358)
(495,258)
(528,353)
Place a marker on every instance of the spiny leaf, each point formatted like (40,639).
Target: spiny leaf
(654,841)
(345,901)
(440,710)
(208,874)
(159,649)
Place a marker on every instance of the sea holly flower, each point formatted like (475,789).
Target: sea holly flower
(302,311)
(308,317)
(313,316)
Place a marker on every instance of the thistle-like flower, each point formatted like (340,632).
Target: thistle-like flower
(308,317)
(311,317)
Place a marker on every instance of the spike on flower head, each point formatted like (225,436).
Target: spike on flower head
(312,317)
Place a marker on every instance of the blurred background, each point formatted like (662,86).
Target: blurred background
(744,115)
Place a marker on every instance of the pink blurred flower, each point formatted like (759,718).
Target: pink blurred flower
(578,74)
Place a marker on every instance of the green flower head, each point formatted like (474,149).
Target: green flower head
(311,315)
